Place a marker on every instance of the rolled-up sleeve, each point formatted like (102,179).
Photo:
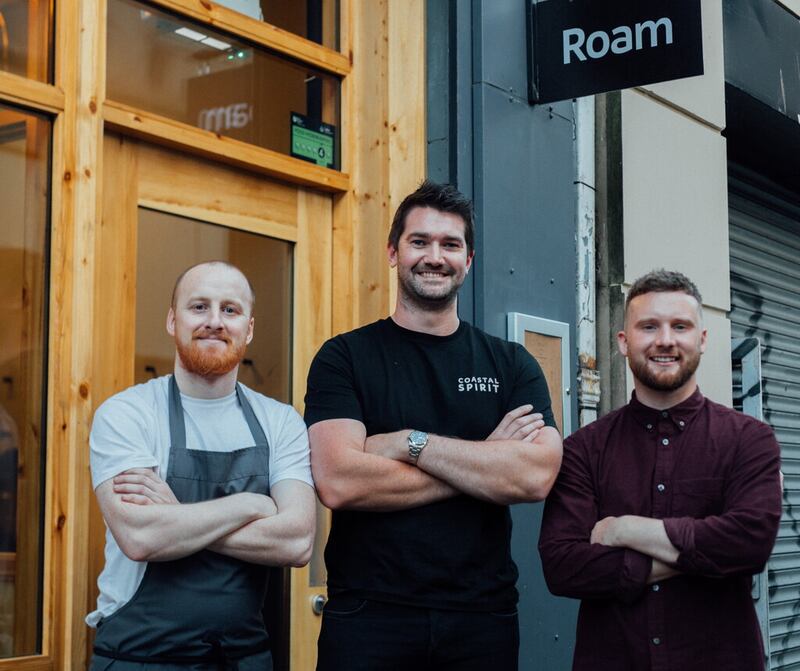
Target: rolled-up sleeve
(573,566)
(740,540)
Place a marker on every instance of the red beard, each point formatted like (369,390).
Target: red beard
(206,362)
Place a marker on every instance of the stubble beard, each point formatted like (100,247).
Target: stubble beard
(201,361)
(665,382)
(427,301)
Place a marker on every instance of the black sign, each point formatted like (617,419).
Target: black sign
(582,47)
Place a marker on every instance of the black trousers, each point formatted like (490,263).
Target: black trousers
(365,635)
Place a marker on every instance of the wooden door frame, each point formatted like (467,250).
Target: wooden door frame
(135,177)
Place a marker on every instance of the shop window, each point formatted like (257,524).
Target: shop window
(24,194)
(167,245)
(184,70)
(25,38)
(316,20)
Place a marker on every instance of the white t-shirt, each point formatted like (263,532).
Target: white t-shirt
(131,430)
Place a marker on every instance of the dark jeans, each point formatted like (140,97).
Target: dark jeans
(361,635)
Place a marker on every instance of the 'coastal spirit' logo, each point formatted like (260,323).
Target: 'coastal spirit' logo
(487,384)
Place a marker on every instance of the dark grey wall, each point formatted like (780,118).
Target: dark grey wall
(518,164)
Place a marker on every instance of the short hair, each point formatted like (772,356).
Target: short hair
(213,263)
(661,280)
(441,197)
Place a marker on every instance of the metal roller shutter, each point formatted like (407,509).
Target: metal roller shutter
(765,303)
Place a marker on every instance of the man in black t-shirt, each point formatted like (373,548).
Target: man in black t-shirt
(423,429)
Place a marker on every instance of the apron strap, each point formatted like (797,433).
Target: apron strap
(259,436)
(177,425)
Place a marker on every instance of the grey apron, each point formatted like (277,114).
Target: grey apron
(201,612)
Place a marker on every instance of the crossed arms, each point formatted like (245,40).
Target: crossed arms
(149,524)
(616,557)
(518,462)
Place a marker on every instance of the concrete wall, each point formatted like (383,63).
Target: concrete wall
(675,195)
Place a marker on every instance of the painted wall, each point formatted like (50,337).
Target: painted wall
(675,194)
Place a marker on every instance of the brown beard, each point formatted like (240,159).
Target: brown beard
(199,361)
(665,383)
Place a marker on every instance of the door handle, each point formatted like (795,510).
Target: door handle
(318,602)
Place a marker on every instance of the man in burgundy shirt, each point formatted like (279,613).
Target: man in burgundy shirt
(664,508)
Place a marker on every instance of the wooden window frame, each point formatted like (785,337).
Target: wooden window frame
(24,92)
(172,133)
(169,132)
(261,33)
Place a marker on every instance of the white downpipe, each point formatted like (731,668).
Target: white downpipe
(588,375)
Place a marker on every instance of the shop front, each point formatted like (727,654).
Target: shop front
(138,138)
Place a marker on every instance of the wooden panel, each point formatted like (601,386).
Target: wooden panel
(38,47)
(216,193)
(27,664)
(76,201)
(369,115)
(312,326)
(115,311)
(8,565)
(259,32)
(346,267)
(21,91)
(205,143)
(547,351)
(385,110)
(407,141)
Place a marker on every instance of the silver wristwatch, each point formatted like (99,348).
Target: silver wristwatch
(417,440)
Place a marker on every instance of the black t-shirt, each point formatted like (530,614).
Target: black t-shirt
(453,553)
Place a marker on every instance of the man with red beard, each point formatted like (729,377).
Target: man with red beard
(203,484)
(423,430)
(665,508)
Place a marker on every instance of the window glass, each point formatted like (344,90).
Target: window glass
(25,38)
(316,20)
(167,245)
(24,193)
(185,71)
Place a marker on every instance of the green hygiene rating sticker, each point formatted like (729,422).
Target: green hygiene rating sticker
(312,140)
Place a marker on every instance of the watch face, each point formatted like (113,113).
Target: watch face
(418,438)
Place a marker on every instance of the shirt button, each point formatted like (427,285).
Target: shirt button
(656,587)
(660,487)
(665,441)
(656,641)
(682,423)
(665,414)
(649,427)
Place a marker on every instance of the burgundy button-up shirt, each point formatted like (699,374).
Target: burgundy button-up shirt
(712,475)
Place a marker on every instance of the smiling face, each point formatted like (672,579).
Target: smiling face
(663,341)
(431,258)
(211,320)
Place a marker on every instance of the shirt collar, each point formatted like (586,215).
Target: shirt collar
(680,414)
